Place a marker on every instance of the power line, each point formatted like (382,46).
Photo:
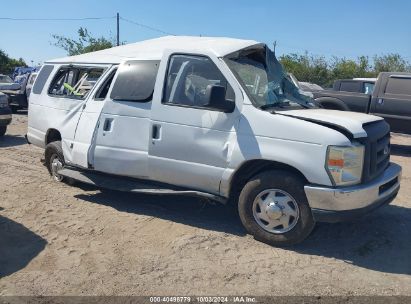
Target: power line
(56,19)
(146,26)
(91,18)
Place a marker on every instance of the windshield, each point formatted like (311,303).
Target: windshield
(265,81)
(5,79)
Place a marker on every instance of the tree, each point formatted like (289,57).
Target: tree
(84,44)
(342,68)
(307,67)
(317,69)
(8,64)
(391,63)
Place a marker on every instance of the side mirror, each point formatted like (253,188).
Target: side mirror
(215,99)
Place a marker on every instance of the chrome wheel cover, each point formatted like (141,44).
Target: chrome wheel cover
(276,211)
(56,165)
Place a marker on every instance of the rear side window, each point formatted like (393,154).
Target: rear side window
(74,82)
(41,79)
(350,86)
(135,81)
(398,86)
(368,87)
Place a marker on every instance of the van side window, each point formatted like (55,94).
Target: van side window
(74,82)
(103,90)
(42,78)
(187,79)
(135,81)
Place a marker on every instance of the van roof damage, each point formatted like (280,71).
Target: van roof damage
(153,49)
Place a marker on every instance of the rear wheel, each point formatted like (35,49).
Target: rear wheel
(54,160)
(274,209)
(3,130)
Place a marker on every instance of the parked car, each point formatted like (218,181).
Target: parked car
(5,114)
(6,83)
(309,87)
(15,92)
(211,117)
(18,86)
(304,86)
(388,96)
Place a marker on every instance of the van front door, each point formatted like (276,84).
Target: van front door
(190,144)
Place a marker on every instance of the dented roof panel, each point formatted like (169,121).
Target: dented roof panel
(153,49)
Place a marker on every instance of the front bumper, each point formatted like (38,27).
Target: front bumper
(346,203)
(5,116)
(16,98)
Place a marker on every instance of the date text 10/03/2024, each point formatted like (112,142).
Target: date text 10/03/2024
(205,299)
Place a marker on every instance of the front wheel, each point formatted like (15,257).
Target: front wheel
(54,160)
(3,130)
(274,209)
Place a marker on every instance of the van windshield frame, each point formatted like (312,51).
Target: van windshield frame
(264,80)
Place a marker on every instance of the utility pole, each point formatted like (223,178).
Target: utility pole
(118,29)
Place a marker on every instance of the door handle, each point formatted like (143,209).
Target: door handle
(108,123)
(380,101)
(156,132)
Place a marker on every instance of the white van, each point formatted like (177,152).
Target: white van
(212,117)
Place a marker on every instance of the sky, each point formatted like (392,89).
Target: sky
(348,28)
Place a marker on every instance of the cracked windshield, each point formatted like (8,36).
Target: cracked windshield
(266,83)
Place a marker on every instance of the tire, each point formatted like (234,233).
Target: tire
(3,130)
(54,159)
(282,199)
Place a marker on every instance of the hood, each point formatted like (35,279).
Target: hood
(349,121)
(9,86)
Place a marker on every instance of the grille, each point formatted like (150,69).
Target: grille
(377,149)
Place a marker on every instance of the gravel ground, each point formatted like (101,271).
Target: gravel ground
(57,239)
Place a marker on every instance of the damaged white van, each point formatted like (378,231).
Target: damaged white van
(211,117)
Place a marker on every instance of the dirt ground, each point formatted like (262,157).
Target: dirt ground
(56,239)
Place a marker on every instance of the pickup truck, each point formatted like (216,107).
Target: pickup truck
(389,96)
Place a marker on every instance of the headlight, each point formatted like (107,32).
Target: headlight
(344,164)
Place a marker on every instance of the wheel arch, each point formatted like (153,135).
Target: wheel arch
(52,135)
(253,167)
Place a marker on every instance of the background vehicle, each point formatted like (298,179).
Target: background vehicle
(389,97)
(6,83)
(16,86)
(30,83)
(303,85)
(310,87)
(5,113)
(212,117)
